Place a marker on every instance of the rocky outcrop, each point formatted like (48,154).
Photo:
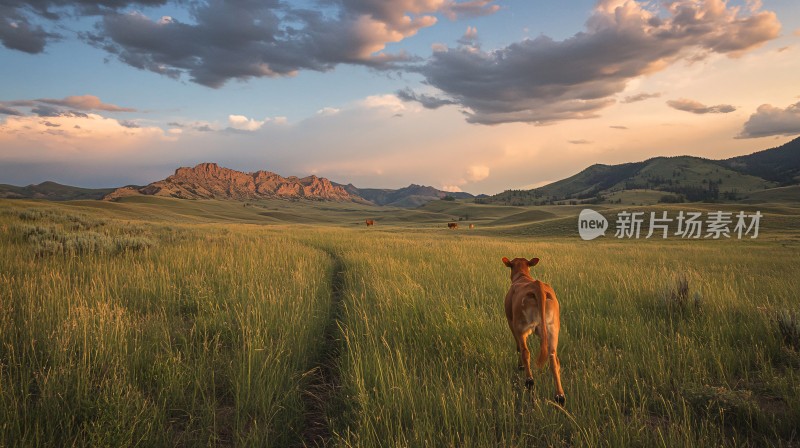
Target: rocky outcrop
(210,181)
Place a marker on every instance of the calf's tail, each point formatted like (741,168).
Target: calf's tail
(541,360)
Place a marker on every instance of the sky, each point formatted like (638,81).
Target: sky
(464,95)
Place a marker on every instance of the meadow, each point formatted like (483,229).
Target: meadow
(192,323)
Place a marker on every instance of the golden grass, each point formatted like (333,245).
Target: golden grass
(206,335)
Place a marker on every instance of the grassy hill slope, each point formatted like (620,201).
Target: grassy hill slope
(781,164)
(52,191)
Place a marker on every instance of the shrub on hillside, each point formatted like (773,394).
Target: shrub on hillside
(48,240)
(677,294)
(73,221)
(789,328)
(733,408)
(132,243)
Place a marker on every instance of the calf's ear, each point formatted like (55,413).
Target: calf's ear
(533,261)
(506,262)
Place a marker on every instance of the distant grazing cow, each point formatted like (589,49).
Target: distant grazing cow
(452,225)
(370,222)
(531,306)
(472,226)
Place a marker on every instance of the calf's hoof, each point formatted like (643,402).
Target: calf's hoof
(561,399)
(529,383)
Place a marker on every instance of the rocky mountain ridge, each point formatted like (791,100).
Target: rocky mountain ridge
(210,181)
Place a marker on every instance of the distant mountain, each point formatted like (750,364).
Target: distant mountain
(682,178)
(52,191)
(409,197)
(769,175)
(210,181)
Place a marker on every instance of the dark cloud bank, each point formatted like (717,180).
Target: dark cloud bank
(542,80)
(238,39)
(536,81)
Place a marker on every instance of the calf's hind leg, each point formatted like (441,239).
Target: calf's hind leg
(555,364)
(520,365)
(525,356)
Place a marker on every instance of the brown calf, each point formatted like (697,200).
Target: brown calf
(472,226)
(531,306)
(370,222)
(452,225)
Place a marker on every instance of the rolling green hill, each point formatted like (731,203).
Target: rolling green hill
(670,179)
(780,217)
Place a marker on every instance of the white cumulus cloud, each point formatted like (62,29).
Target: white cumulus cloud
(243,123)
(770,120)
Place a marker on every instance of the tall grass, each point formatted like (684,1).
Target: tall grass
(200,339)
(428,359)
(206,336)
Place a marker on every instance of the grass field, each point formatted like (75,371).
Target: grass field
(203,323)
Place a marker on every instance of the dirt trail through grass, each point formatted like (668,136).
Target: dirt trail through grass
(323,378)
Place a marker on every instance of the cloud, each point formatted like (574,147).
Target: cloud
(427,101)
(639,97)
(9,111)
(252,39)
(542,80)
(377,144)
(328,111)
(17,31)
(770,121)
(46,111)
(474,8)
(129,124)
(43,110)
(697,107)
(580,142)
(388,102)
(47,107)
(86,102)
(223,40)
(242,123)
(67,136)
(470,37)
(477,173)
(451,188)
(619,127)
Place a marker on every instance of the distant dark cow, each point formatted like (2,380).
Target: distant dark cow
(370,222)
(472,226)
(452,225)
